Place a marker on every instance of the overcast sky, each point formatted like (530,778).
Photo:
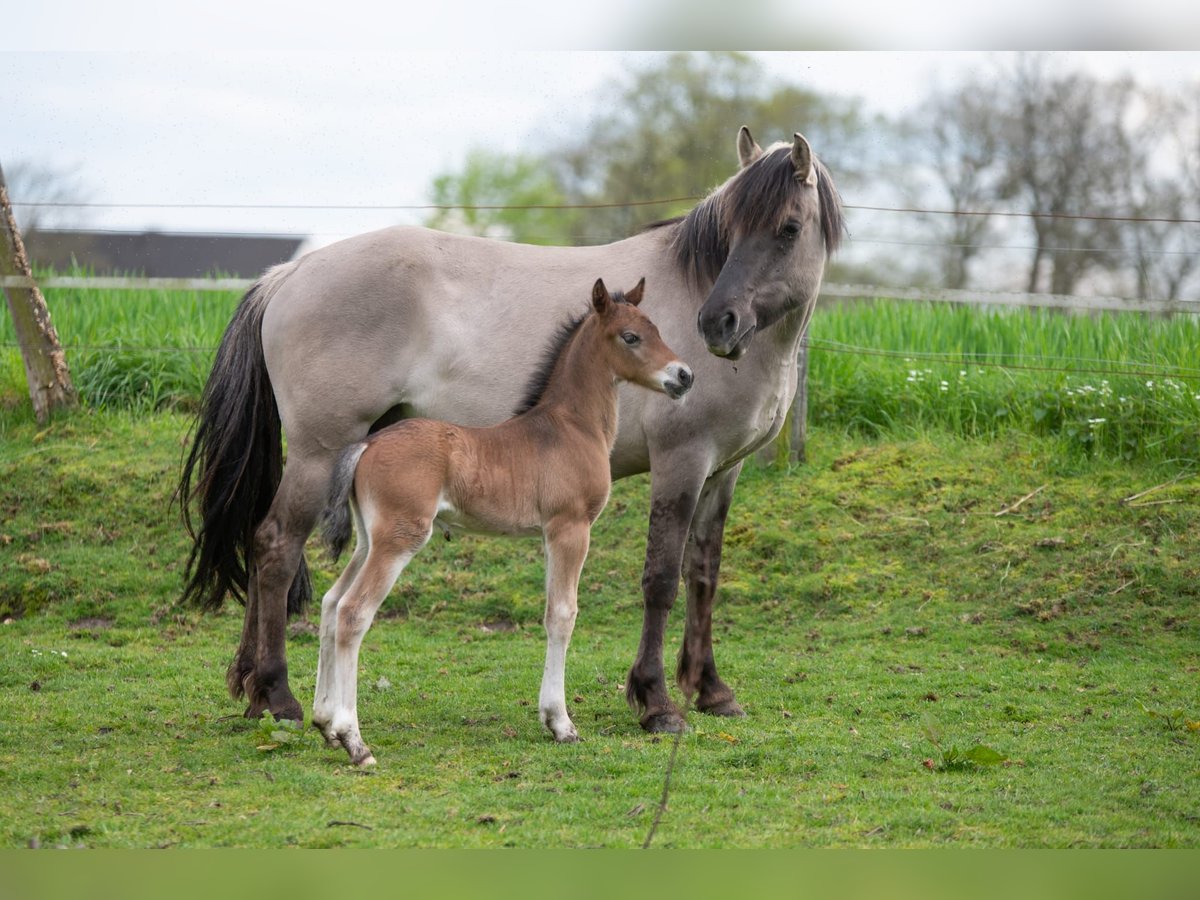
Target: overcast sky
(335,127)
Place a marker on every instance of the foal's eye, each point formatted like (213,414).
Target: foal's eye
(790,230)
(630,338)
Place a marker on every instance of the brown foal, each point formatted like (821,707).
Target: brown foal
(544,471)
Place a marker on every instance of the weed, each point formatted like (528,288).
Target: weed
(952,758)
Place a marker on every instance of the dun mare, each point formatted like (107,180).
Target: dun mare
(545,470)
(408,322)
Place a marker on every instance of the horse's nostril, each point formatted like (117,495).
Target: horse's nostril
(728,322)
(685,377)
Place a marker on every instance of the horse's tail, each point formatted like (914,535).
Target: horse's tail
(236,461)
(335,530)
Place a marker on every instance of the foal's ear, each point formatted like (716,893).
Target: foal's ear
(634,297)
(600,297)
(748,149)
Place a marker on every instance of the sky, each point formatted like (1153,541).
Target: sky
(336,126)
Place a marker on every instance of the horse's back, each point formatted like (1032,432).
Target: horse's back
(440,325)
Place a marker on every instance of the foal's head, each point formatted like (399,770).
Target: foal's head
(632,345)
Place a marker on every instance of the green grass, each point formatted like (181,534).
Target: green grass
(863,593)
(941,368)
(980,373)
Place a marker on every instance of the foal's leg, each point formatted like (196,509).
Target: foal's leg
(702,562)
(324,697)
(566,550)
(673,496)
(278,549)
(388,555)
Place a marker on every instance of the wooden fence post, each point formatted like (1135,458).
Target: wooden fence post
(789,447)
(50,386)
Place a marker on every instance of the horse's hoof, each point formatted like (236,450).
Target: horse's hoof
(291,710)
(366,762)
(664,723)
(254,710)
(728,707)
(571,737)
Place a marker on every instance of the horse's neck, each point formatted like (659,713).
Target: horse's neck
(582,387)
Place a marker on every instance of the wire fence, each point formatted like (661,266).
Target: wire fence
(662,201)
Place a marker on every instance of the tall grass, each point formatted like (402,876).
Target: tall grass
(876,368)
(133,349)
(1122,385)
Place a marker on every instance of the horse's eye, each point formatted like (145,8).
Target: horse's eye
(790,230)
(630,338)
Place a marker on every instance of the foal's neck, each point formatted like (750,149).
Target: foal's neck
(583,386)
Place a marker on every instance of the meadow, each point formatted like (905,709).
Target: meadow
(937,578)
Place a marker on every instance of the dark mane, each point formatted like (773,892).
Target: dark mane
(761,196)
(535,388)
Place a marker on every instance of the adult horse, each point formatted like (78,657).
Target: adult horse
(410,322)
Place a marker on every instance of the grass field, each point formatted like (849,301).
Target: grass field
(969,372)
(867,597)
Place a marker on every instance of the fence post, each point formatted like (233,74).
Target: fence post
(50,386)
(789,446)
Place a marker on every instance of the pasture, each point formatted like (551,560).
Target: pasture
(867,596)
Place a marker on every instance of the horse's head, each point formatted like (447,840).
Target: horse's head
(773,224)
(635,349)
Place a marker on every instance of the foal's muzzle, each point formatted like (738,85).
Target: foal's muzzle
(679,380)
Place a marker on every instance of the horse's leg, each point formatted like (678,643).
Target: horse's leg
(278,548)
(242,666)
(323,696)
(566,550)
(697,672)
(385,561)
(674,491)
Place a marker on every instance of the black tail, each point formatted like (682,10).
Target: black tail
(236,460)
(336,529)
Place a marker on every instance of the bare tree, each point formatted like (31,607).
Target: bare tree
(1065,157)
(45,185)
(962,143)
(1164,255)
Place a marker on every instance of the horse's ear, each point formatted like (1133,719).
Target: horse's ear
(634,297)
(802,159)
(748,149)
(600,296)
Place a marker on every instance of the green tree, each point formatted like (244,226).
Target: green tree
(469,199)
(665,130)
(669,130)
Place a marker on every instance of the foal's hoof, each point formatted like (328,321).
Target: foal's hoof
(366,762)
(728,707)
(670,722)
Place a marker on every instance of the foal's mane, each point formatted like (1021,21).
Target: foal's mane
(760,196)
(535,388)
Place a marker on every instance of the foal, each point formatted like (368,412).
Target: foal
(545,470)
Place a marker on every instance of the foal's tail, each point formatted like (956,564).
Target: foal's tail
(235,463)
(336,530)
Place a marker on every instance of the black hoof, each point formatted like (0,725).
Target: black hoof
(664,723)
(728,707)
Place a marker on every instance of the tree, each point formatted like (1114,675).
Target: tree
(50,386)
(961,143)
(668,131)
(489,179)
(664,131)
(30,182)
(1060,134)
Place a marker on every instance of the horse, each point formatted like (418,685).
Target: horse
(544,471)
(409,322)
